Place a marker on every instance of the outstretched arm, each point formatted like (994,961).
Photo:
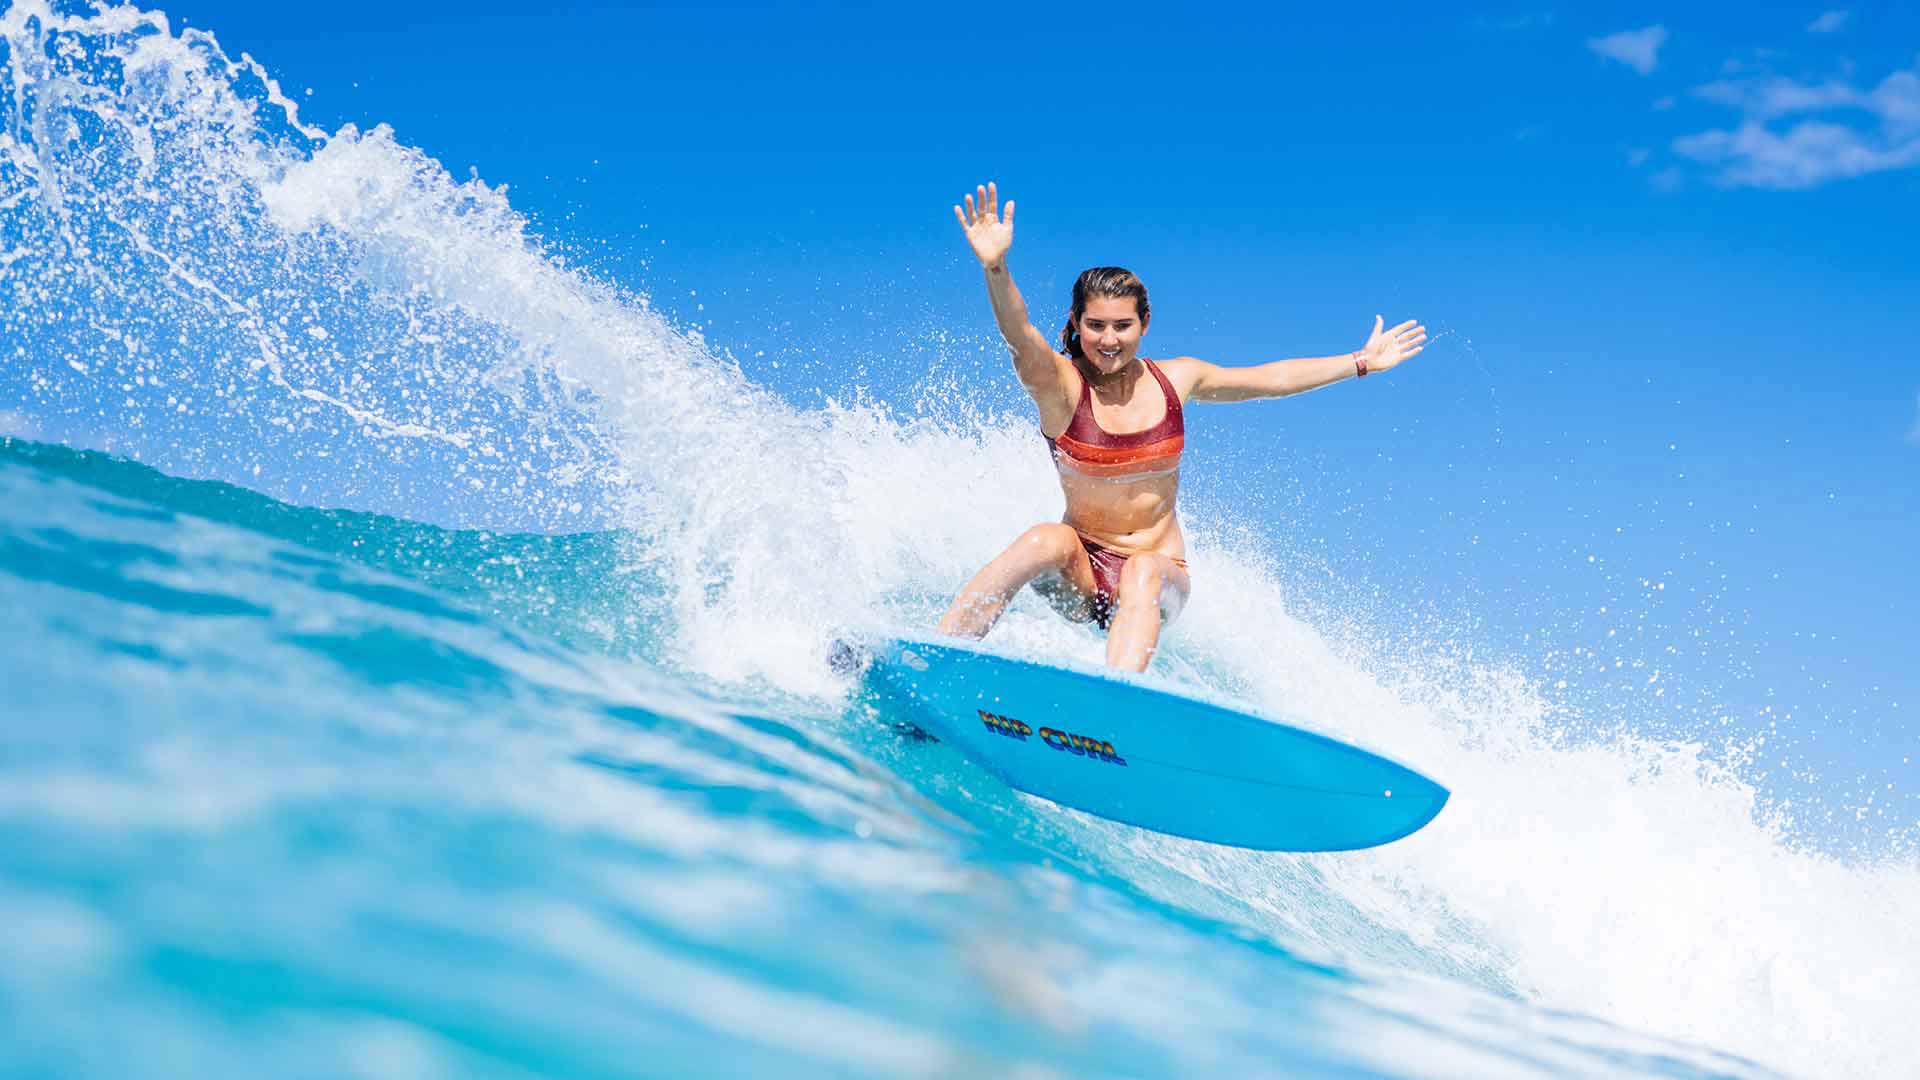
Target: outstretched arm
(991,236)
(1384,350)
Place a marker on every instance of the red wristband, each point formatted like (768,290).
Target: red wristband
(1359,365)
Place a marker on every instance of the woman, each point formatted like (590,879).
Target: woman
(1113,420)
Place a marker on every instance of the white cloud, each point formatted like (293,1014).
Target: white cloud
(1638,49)
(1828,22)
(1766,99)
(1810,153)
(1897,100)
(1880,132)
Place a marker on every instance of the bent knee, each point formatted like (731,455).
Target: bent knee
(1144,576)
(1151,582)
(1053,543)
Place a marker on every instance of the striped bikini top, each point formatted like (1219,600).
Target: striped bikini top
(1089,450)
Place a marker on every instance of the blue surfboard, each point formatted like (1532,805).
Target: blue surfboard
(1112,744)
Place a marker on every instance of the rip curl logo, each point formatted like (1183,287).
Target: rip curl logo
(1063,741)
(1068,742)
(1004,725)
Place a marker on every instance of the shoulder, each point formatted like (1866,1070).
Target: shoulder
(1185,373)
(1057,396)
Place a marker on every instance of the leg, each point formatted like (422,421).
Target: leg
(1051,550)
(1153,588)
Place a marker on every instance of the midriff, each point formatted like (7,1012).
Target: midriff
(1135,515)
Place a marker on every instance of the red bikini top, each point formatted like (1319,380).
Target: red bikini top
(1090,450)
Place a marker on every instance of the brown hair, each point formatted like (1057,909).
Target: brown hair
(1109,281)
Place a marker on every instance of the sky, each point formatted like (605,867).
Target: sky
(1671,413)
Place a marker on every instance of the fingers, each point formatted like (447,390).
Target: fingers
(959,215)
(1409,333)
(983,205)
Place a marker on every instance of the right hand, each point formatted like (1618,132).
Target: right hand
(989,234)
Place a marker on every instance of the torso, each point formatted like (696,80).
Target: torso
(1119,462)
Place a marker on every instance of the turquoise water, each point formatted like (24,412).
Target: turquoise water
(287,790)
(302,792)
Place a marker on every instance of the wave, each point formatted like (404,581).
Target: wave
(577,588)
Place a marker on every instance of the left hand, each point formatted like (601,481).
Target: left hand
(1386,348)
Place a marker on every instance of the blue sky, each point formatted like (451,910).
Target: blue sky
(1666,252)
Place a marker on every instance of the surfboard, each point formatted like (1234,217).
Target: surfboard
(1115,745)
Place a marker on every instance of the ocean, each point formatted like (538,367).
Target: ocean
(413,666)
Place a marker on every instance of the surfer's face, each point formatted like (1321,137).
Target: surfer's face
(1110,330)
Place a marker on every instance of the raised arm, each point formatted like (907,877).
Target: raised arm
(1044,372)
(1384,350)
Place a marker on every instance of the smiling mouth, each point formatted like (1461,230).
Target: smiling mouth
(1110,354)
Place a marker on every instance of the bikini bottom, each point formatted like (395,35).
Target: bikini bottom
(1107,564)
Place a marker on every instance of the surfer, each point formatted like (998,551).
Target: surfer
(1114,423)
